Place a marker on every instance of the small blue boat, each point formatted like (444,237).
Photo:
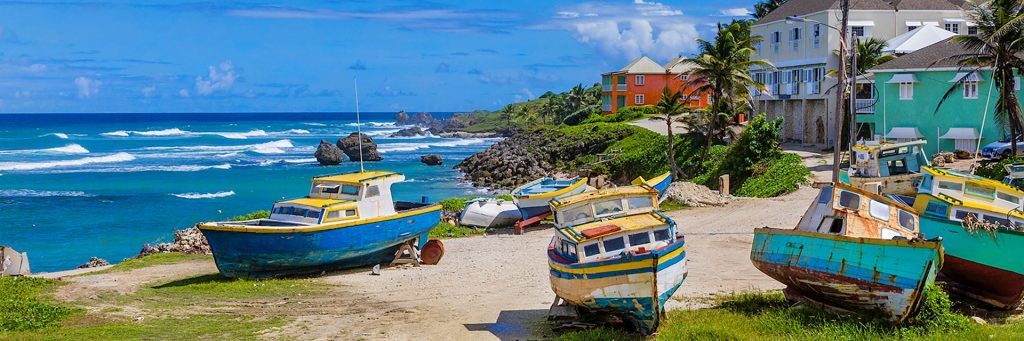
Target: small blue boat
(532,198)
(348,220)
(659,183)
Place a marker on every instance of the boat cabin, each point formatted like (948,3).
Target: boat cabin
(1015,175)
(888,159)
(600,240)
(341,197)
(604,204)
(953,195)
(847,211)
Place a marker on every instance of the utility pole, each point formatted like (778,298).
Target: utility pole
(840,91)
(853,93)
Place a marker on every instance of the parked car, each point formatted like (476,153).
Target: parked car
(1001,149)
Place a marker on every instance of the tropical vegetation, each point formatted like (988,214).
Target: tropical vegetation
(761,9)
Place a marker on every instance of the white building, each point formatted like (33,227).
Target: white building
(802,52)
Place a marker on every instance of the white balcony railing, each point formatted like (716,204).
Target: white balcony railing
(813,87)
(606,108)
(606,87)
(620,87)
(865,105)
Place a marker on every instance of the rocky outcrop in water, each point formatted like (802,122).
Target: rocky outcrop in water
(328,154)
(350,146)
(94,262)
(432,160)
(409,132)
(189,240)
(429,124)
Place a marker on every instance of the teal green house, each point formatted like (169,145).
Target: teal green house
(908,89)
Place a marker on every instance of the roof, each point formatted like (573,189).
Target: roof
(643,65)
(917,39)
(357,177)
(888,145)
(314,202)
(804,7)
(624,224)
(974,179)
(675,66)
(604,193)
(938,55)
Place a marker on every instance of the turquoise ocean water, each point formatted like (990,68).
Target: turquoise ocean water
(83,185)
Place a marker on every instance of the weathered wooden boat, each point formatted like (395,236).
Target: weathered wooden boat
(532,198)
(604,204)
(659,183)
(625,265)
(489,212)
(894,167)
(852,250)
(980,222)
(347,220)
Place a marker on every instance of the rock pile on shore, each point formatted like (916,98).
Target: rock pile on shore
(94,262)
(694,195)
(189,240)
(350,146)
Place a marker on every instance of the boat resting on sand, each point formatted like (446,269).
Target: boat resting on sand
(348,220)
(852,250)
(894,167)
(982,230)
(626,265)
(659,183)
(532,198)
(603,204)
(489,212)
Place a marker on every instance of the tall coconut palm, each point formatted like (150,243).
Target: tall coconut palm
(670,106)
(722,70)
(998,46)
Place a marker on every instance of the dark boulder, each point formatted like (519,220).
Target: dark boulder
(432,160)
(350,146)
(94,262)
(328,154)
(409,132)
(402,118)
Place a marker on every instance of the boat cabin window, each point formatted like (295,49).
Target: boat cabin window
(662,235)
(313,214)
(953,186)
(832,224)
(1001,220)
(612,245)
(639,238)
(1009,198)
(340,213)
(372,191)
(636,203)
(350,189)
(879,210)
(349,213)
(849,200)
(567,249)
(608,207)
(591,250)
(981,191)
(906,220)
(897,167)
(894,151)
(926,182)
(960,215)
(826,195)
(936,208)
(575,215)
(329,189)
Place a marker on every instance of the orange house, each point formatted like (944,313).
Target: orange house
(641,83)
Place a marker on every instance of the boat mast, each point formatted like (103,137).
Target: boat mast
(359,126)
(840,90)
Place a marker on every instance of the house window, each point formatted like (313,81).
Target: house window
(794,37)
(639,99)
(906,91)
(857,31)
(817,35)
(757,48)
(911,28)
(640,79)
(955,28)
(971,90)
(972,30)
(776,38)
(684,77)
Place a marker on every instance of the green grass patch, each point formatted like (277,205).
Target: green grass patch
(152,260)
(670,205)
(445,230)
(775,177)
(25,304)
(207,327)
(624,114)
(217,288)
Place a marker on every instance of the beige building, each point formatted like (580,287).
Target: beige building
(802,53)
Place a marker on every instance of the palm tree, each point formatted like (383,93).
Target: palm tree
(871,53)
(671,105)
(722,69)
(999,46)
(762,9)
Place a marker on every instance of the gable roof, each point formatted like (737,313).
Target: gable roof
(643,65)
(804,7)
(676,67)
(938,55)
(919,38)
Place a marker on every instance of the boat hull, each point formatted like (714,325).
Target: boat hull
(857,274)
(534,205)
(659,183)
(490,213)
(984,266)
(259,253)
(899,184)
(633,286)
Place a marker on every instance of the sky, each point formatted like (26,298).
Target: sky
(223,56)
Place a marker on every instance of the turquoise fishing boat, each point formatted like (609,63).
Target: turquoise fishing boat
(980,222)
(852,250)
(659,183)
(347,220)
(532,198)
(895,168)
(613,252)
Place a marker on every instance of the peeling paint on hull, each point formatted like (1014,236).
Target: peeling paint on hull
(898,184)
(860,274)
(635,286)
(981,265)
(255,255)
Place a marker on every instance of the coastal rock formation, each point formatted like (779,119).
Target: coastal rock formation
(429,124)
(328,154)
(694,195)
(94,262)
(465,135)
(350,146)
(409,132)
(431,160)
(189,240)
(423,119)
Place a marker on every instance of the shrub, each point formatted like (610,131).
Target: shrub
(936,311)
(775,177)
(642,154)
(251,215)
(22,307)
(996,170)
(455,204)
(624,114)
(757,143)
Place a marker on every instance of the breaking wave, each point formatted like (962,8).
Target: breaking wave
(61,136)
(204,195)
(411,146)
(15,166)
(272,147)
(286,161)
(73,148)
(29,193)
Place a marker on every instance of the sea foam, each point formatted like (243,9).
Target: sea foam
(73,148)
(411,146)
(118,157)
(29,193)
(204,195)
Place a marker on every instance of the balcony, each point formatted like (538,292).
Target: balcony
(606,87)
(620,87)
(813,87)
(865,105)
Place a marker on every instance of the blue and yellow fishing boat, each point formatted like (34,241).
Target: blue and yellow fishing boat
(532,198)
(659,183)
(852,250)
(347,220)
(617,262)
(894,167)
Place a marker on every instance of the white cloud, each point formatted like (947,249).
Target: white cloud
(148,91)
(36,68)
(529,94)
(87,87)
(183,93)
(735,12)
(220,78)
(629,31)
(22,94)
